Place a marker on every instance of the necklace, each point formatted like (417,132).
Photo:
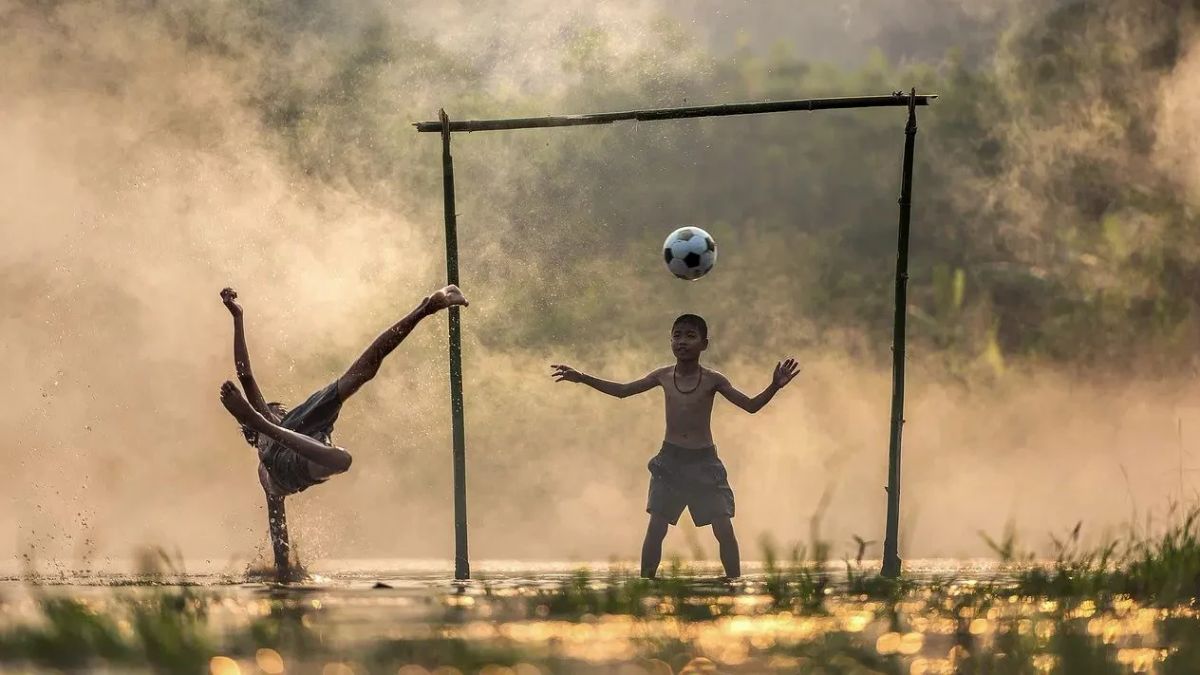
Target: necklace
(675,381)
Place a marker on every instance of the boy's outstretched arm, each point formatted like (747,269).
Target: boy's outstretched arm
(620,390)
(241,357)
(784,372)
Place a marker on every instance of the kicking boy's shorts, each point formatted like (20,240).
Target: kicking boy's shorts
(692,478)
(313,418)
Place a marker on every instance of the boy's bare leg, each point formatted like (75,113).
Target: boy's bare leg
(730,557)
(656,531)
(277,525)
(364,369)
(280,545)
(332,458)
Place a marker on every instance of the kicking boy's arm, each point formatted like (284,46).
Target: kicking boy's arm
(784,372)
(241,357)
(618,389)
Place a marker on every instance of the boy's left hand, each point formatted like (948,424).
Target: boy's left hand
(784,372)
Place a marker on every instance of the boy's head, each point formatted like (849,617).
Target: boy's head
(689,337)
(252,435)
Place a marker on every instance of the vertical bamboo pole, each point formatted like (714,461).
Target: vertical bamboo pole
(891,555)
(462,565)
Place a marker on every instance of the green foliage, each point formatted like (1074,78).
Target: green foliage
(165,630)
(1045,227)
(171,630)
(71,637)
(800,584)
(1161,568)
(677,592)
(467,656)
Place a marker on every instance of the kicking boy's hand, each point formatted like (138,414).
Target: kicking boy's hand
(566,373)
(784,372)
(229,297)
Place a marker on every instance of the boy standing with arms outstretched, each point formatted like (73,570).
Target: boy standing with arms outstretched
(687,472)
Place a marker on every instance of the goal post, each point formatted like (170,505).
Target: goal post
(447,127)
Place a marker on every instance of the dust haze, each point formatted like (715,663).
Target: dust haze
(140,178)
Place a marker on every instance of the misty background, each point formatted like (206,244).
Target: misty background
(156,152)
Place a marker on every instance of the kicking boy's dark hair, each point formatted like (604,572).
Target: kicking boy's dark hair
(251,435)
(696,321)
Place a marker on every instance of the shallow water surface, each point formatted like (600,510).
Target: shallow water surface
(521,618)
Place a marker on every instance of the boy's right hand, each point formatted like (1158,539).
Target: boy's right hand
(566,373)
(229,297)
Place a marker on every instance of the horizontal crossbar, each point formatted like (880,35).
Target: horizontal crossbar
(723,110)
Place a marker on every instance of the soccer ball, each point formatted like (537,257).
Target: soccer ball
(690,253)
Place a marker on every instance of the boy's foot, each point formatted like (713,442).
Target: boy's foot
(446,297)
(229,298)
(238,406)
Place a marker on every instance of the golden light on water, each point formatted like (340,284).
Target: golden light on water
(698,665)
(856,622)
(1141,660)
(223,665)
(888,643)
(1045,663)
(745,631)
(931,667)
(910,643)
(269,661)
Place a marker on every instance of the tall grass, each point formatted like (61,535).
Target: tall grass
(1159,566)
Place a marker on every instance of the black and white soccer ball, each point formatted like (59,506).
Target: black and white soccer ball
(690,253)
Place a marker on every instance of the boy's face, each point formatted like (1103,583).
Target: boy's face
(686,342)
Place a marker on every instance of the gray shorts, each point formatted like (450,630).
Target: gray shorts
(691,478)
(313,418)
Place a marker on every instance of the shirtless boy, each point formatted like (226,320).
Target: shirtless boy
(295,448)
(686,472)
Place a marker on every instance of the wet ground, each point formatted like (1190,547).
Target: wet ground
(522,618)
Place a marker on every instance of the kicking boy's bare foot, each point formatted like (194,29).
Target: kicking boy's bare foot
(446,297)
(229,298)
(239,407)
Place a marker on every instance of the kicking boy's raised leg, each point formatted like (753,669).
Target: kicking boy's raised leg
(364,369)
(330,458)
(730,557)
(652,546)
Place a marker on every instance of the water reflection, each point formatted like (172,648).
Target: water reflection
(568,622)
